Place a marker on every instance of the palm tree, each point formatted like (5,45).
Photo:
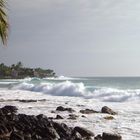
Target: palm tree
(3,22)
(19,65)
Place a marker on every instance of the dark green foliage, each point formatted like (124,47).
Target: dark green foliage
(18,71)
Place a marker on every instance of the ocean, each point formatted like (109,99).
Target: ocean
(122,94)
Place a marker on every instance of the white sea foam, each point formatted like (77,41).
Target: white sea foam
(68,88)
(6,83)
(117,95)
(63,78)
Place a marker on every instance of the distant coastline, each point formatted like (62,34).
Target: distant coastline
(18,71)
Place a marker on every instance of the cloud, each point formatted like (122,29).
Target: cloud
(81,30)
(81,20)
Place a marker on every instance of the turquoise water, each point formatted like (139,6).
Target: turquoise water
(110,82)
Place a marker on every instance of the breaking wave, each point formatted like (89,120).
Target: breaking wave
(61,78)
(68,88)
(61,89)
(117,95)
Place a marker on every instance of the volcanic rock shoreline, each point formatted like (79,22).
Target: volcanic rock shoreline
(14,126)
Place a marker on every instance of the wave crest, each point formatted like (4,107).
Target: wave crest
(68,88)
(116,95)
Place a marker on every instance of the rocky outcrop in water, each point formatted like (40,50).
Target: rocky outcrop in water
(14,126)
(108,136)
(107,110)
(88,111)
(61,108)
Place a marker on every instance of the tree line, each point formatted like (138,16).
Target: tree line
(19,71)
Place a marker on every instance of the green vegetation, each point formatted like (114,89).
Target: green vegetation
(18,71)
(4,26)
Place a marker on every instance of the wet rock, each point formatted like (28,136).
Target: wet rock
(107,110)
(84,132)
(27,136)
(30,107)
(51,118)
(42,100)
(73,116)
(63,130)
(16,136)
(47,132)
(59,117)
(88,111)
(77,136)
(27,101)
(83,116)
(41,116)
(9,109)
(80,105)
(1,113)
(98,137)
(53,111)
(31,100)
(11,117)
(109,136)
(108,117)
(3,130)
(15,126)
(60,108)
(2,100)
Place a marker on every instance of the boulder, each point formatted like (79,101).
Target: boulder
(4,132)
(107,110)
(88,111)
(59,117)
(60,108)
(41,116)
(28,101)
(16,136)
(98,137)
(77,136)
(83,116)
(83,132)
(9,109)
(42,100)
(108,117)
(63,130)
(27,136)
(73,116)
(109,136)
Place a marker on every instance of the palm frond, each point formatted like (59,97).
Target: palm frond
(3,22)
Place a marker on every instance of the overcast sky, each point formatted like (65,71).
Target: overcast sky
(75,37)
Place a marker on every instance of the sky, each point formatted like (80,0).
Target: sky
(75,37)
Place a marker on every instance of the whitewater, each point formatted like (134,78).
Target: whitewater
(122,94)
